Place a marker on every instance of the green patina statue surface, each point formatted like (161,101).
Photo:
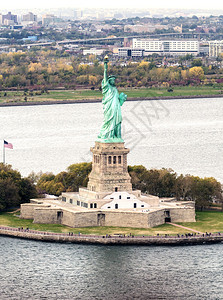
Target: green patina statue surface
(112,102)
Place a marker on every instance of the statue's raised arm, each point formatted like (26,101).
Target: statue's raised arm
(105,68)
(112,102)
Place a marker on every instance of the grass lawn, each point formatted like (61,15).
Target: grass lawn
(96,94)
(209,221)
(132,93)
(206,221)
(11,96)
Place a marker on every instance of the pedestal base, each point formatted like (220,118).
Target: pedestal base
(109,168)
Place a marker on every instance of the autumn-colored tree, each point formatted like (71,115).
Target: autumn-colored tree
(92,80)
(196,72)
(70,181)
(34,67)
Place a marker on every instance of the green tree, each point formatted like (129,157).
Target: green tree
(14,189)
(138,177)
(204,191)
(78,175)
(183,187)
(9,194)
(197,62)
(27,190)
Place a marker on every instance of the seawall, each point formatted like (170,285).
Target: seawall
(111,240)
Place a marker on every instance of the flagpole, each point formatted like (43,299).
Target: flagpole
(3,152)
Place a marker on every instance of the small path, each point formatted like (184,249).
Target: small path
(184,227)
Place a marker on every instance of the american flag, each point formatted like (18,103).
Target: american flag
(8,145)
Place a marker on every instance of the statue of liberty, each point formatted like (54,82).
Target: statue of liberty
(112,102)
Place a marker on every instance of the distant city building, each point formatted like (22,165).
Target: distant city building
(144,28)
(30,17)
(8,19)
(172,47)
(130,52)
(78,14)
(48,19)
(205,29)
(178,29)
(127,42)
(93,51)
(215,48)
(204,48)
(75,14)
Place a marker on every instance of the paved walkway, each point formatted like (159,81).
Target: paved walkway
(187,228)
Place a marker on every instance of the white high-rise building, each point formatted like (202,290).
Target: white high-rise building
(172,47)
(30,17)
(215,48)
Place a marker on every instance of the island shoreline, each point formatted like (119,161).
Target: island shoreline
(54,102)
(180,240)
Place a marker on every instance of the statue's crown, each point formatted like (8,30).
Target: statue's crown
(111,76)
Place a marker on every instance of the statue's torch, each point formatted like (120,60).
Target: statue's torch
(106,59)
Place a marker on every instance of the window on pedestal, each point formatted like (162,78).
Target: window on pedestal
(116,206)
(114,159)
(116,189)
(119,159)
(109,159)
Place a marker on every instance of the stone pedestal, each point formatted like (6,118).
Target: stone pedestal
(109,168)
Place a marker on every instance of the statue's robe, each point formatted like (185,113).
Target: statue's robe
(112,101)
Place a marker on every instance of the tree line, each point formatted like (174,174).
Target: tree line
(39,69)
(161,183)
(14,189)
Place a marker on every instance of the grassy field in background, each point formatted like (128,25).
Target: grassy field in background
(206,221)
(55,95)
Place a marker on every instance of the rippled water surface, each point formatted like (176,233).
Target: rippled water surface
(185,135)
(35,270)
